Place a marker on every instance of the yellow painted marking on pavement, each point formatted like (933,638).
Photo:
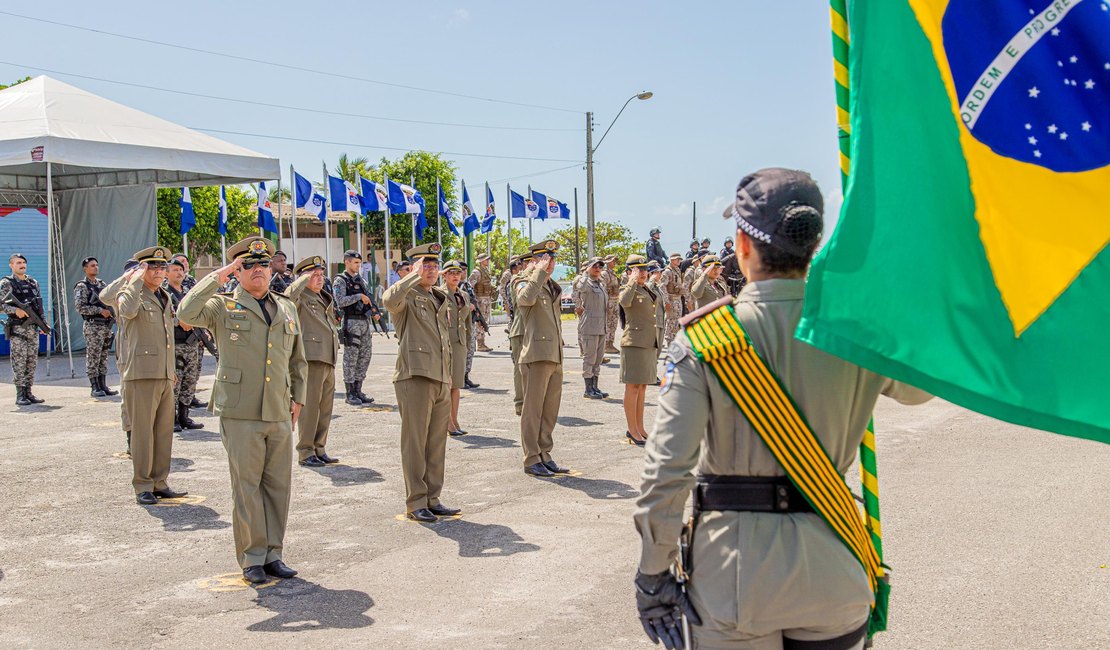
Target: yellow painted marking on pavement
(405,519)
(571,473)
(122,454)
(230,582)
(190,500)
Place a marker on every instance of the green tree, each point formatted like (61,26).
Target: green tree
(420,169)
(350,169)
(609,239)
(205,236)
(14,83)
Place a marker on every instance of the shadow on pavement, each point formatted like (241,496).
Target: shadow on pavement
(346,476)
(485,442)
(181,465)
(301,605)
(187,517)
(570,421)
(198,435)
(598,488)
(482,540)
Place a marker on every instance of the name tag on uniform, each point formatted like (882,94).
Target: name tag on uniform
(238,315)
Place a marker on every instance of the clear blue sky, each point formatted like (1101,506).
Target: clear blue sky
(738,86)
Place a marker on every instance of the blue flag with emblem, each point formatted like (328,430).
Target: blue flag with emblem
(188,217)
(344,196)
(491,213)
(522,208)
(375,198)
(470,220)
(445,212)
(305,197)
(222,220)
(265,210)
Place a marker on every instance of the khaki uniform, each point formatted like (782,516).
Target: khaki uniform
(640,341)
(541,361)
(591,297)
(672,294)
(516,331)
(688,278)
(612,290)
(109,295)
(482,283)
(320,338)
(422,384)
(146,363)
(459,330)
(705,291)
(262,369)
(757,575)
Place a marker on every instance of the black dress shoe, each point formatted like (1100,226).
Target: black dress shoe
(538,469)
(313,461)
(441,510)
(635,441)
(255,574)
(327,459)
(278,569)
(555,469)
(169,493)
(454,434)
(423,515)
(146,499)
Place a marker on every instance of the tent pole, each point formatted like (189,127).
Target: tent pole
(388,250)
(279,214)
(49,305)
(293,219)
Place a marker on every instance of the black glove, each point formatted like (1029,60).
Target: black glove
(662,603)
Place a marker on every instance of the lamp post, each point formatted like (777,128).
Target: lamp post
(591,148)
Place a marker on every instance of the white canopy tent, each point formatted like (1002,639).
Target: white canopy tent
(102,161)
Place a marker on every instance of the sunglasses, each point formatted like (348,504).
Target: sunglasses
(250,265)
(156,265)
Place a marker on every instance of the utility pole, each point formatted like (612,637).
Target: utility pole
(589,184)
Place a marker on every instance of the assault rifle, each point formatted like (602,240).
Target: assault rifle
(476,315)
(32,315)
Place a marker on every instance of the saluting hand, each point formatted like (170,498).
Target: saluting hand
(224,273)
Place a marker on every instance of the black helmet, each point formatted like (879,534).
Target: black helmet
(654,231)
(694,242)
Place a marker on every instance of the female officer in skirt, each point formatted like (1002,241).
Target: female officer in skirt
(639,345)
(459,333)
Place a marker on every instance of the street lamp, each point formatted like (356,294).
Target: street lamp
(591,148)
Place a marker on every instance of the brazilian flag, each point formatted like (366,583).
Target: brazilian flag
(970,257)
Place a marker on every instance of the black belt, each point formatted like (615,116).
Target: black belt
(749,494)
(355,317)
(96,319)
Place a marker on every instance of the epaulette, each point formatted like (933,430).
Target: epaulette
(224,293)
(696,315)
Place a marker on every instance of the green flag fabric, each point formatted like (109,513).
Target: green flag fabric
(969,258)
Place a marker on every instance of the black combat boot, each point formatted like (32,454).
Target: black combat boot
(184,420)
(597,390)
(31,396)
(469,384)
(97,391)
(21,396)
(590,392)
(352,396)
(366,399)
(104,386)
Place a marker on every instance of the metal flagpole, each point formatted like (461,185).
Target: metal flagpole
(412,184)
(358,217)
(509,223)
(293,219)
(577,261)
(327,226)
(388,250)
(468,239)
(530,220)
(261,202)
(279,211)
(185,243)
(489,233)
(439,221)
(223,247)
(695,226)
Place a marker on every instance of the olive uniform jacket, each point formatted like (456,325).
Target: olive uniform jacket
(319,334)
(261,368)
(421,320)
(459,334)
(591,297)
(705,291)
(516,325)
(640,306)
(537,299)
(146,350)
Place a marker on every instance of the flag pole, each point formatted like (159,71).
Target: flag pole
(530,220)
(388,250)
(185,243)
(327,226)
(509,223)
(258,211)
(439,220)
(468,239)
(293,218)
(279,211)
(358,216)
(219,217)
(577,262)
(489,233)
(412,184)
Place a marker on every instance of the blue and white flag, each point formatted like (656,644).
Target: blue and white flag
(404,199)
(522,208)
(344,196)
(491,213)
(305,197)
(265,211)
(446,213)
(375,198)
(188,217)
(555,209)
(470,220)
(541,204)
(222,222)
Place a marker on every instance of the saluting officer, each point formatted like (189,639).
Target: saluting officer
(422,381)
(541,360)
(516,330)
(482,284)
(258,394)
(767,571)
(352,298)
(459,331)
(23,335)
(96,326)
(147,365)
(109,295)
(320,337)
(708,287)
(671,284)
(639,345)
(590,303)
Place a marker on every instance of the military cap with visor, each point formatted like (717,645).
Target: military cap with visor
(483,257)
(251,249)
(452,265)
(310,263)
(424,252)
(710,260)
(152,255)
(546,247)
(780,207)
(352,254)
(636,262)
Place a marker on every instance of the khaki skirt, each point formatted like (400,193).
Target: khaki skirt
(638,365)
(458,364)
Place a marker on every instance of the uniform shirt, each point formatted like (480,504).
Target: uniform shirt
(146,320)
(590,295)
(421,320)
(640,305)
(671,283)
(537,297)
(705,291)
(318,330)
(654,251)
(7,288)
(279,282)
(699,430)
(88,301)
(342,299)
(481,282)
(612,283)
(262,363)
(516,325)
(179,334)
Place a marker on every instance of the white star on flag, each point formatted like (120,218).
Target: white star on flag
(1028,126)
(1032,140)
(1060,64)
(1055,31)
(1063,135)
(1037,153)
(1089,84)
(1073,58)
(1086,126)
(1052,128)
(1034,91)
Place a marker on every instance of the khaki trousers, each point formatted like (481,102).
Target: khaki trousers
(593,348)
(425,406)
(518,381)
(149,409)
(260,457)
(543,391)
(315,418)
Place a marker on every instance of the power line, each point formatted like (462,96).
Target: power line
(378,146)
(288,66)
(282,106)
(534,174)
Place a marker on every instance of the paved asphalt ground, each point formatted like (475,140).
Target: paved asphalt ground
(999,536)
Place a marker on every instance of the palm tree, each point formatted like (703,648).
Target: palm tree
(350,169)
(286,195)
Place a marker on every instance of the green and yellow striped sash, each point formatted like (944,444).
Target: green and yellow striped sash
(719,340)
